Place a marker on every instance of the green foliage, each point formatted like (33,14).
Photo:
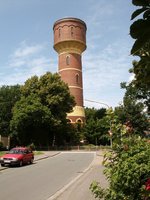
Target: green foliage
(32,147)
(138,12)
(127,171)
(1,145)
(40,114)
(29,118)
(140,2)
(9,95)
(127,165)
(53,93)
(97,190)
(133,110)
(96,127)
(140,29)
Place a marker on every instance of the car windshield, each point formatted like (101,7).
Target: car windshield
(16,151)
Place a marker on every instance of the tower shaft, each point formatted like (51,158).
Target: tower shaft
(70,42)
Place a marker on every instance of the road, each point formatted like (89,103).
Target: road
(44,178)
(79,190)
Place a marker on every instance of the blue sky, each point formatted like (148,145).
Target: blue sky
(26,43)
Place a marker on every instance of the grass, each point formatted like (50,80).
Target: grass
(38,153)
(2,153)
(35,153)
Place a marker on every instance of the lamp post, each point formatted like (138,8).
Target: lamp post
(110,131)
(98,103)
(111,134)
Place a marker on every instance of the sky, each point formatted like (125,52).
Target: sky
(26,44)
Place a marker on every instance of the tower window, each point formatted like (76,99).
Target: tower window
(69,121)
(79,124)
(71,31)
(77,78)
(59,32)
(67,60)
(79,121)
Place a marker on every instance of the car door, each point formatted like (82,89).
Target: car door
(25,156)
(29,155)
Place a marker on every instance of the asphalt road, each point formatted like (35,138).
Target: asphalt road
(79,190)
(43,179)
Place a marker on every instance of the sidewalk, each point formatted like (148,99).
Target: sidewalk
(45,155)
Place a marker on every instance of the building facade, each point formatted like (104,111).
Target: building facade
(69,43)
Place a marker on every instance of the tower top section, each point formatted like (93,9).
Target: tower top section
(69,33)
(71,19)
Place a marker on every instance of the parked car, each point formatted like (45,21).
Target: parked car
(17,156)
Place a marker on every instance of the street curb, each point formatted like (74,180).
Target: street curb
(47,156)
(3,168)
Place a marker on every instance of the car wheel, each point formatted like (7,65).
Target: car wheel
(3,165)
(31,161)
(20,163)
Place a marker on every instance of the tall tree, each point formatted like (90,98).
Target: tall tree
(9,95)
(132,110)
(97,126)
(41,109)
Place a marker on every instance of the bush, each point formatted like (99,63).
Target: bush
(127,171)
(32,146)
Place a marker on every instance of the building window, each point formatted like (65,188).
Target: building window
(67,60)
(59,32)
(79,121)
(72,31)
(69,121)
(77,78)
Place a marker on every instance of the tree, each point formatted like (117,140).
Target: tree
(132,110)
(140,31)
(41,110)
(127,171)
(97,126)
(31,120)
(52,91)
(136,102)
(9,95)
(126,166)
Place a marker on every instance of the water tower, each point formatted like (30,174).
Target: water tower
(69,43)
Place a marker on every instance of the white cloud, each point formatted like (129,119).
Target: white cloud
(16,62)
(27,50)
(103,72)
(26,61)
(106,61)
(100,11)
(39,65)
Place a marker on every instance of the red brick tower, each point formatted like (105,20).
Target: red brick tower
(70,42)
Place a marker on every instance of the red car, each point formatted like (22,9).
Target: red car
(17,156)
